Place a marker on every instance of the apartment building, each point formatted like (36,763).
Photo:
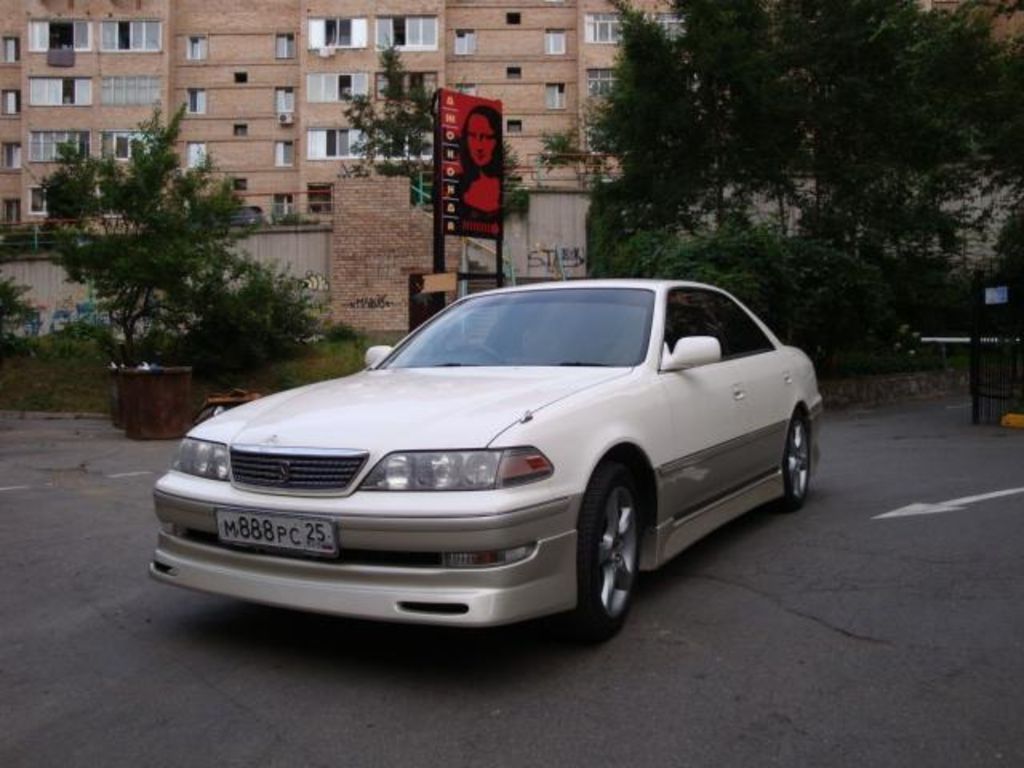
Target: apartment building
(266,82)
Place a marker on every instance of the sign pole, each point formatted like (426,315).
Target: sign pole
(438,201)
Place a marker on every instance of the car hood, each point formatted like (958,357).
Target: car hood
(403,409)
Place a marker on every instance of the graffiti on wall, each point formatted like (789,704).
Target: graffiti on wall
(316,281)
(556,260)
(50,319)
(379,301)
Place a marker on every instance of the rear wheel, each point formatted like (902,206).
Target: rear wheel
(796,463)
(606,554)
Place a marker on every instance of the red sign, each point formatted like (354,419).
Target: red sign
(470,165)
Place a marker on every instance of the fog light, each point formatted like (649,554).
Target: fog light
(487,559)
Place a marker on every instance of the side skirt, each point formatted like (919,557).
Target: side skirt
(673,536)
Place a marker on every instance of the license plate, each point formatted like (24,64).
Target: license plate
(290,533)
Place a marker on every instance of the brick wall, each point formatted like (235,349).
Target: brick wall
(379,239)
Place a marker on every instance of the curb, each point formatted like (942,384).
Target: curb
(51,415)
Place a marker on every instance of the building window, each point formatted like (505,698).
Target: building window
(12,210)
(130,90)
(42,146)
(130,35)
(672,23)
(240,185)
(514,126)
(513,18)
(241,77)
(119,144)
(284,46)
(284,154)
(603,28)
(554,42)
(318,197)
(11,102)
(322,88)
(331,143)
(12,155)
(197,48)
(195,153)
(465,42)
(37,201)
(413,81)
(12,49)
(554,95)
(59,91)
(407,32)
(284,205)
(59,35)
(337,33)
(284,99)
(421,81)
(240,129)
(513,73)
(467,88)
(196,101)
(600,81)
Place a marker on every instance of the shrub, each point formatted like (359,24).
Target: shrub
(246,319)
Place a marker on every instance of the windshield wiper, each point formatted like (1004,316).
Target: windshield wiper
(583,364)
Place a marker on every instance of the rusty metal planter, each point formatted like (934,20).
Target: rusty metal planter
(155,404)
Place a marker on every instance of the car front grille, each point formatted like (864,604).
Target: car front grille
(295,469)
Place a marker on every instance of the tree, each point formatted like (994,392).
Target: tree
(395,134)
(14,310)
(154,241)
(859,124)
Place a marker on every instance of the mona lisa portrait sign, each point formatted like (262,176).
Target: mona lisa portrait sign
(469,160)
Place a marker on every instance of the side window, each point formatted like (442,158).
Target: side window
(740,334)
(692,312)
(687,315)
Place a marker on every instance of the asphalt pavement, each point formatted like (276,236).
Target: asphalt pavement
(829,637)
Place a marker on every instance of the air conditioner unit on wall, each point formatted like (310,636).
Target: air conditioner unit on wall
(326,53)
(285,118)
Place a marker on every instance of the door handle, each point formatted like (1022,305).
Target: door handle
(738,394)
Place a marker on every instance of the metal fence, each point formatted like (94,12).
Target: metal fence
(997,348)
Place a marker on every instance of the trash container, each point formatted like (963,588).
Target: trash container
(155,403)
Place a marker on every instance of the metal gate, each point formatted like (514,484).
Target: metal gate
(997,348)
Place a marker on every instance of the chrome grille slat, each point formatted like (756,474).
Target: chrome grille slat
(293,469)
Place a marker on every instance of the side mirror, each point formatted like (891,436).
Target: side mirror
(690,352)
(374,355)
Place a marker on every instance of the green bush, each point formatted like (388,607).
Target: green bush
(340,332)
(80,340)
(246,318)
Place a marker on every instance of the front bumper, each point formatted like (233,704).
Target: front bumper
(187,555)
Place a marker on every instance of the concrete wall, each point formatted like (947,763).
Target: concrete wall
(302,252)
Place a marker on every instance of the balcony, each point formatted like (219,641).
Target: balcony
(60,57)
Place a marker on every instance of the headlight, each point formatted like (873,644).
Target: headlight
(202,458)
(457,470)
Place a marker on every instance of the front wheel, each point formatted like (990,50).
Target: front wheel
(796,464)
(606,554)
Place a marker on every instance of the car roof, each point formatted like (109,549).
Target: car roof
(615,283)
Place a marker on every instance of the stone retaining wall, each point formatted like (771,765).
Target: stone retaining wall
(893,388)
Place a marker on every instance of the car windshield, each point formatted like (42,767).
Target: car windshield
(605,327)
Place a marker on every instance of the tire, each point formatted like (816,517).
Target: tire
(607,554)
(796,464)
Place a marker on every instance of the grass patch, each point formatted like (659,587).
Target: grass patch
(81,382)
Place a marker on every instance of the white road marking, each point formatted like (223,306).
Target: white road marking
(128,474)
(953,505)
(15,488)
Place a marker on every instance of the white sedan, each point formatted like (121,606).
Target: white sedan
(524,453)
